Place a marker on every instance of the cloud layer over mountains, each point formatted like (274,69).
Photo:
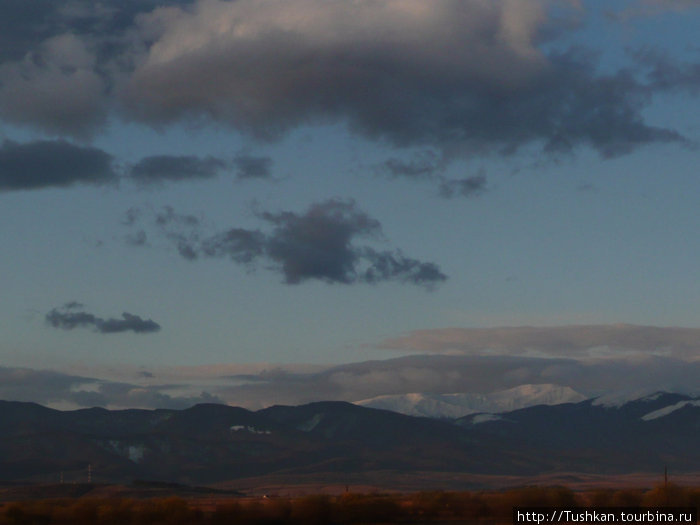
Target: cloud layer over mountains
(577,341)
(640,368)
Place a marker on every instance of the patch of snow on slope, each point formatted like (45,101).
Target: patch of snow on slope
(656,414)
(483,418)
(308,426)
(135,452)
(252,430)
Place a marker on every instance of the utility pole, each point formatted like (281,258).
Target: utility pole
(89,473)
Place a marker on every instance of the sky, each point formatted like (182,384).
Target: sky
(274,201)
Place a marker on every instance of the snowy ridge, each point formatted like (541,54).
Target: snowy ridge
(619,399)
(459,405)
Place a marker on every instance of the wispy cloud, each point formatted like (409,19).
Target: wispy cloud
(560,341)
(52,163)
(465,187)
(72,315)
(252,166)
(170,168)
(429,167)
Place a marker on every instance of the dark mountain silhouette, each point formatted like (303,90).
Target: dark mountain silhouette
(209,443)
(646,434)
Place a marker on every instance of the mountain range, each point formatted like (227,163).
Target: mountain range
(211,443)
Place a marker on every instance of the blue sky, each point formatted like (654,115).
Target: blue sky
(193,191)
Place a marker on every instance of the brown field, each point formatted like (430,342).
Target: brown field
(332,483)
(342,504)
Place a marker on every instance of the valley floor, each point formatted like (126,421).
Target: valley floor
(157,503)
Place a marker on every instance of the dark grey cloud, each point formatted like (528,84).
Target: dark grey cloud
(73,305)
(159,169)
(71,316)
(666,74)
(169,217)
(137,238)
(240,245)
(318,244)
(52,163)
(132,216)
(56,88)
(25,24)
(180,229)
(128,323)
(428,166)
(252,167)
(167,168)
(466,187)
(423,166)
(387,266)
(60,60)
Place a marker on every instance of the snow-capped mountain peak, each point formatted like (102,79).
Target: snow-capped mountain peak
(457,405)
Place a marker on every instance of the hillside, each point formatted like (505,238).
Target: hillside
(212,443)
